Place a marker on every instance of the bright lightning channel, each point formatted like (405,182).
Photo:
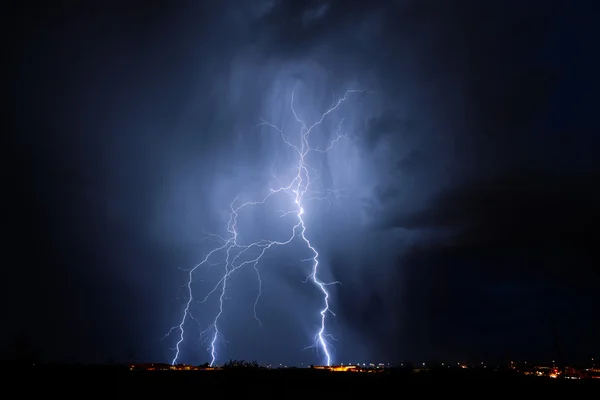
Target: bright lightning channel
(231,250)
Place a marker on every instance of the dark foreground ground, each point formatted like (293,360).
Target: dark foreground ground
(87,380)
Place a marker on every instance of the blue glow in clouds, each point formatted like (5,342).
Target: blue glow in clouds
(235,255)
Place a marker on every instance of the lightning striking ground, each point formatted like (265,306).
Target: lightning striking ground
(235,255)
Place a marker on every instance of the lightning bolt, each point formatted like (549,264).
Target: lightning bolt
(234,254)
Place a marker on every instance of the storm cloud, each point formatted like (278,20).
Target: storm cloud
(135,129)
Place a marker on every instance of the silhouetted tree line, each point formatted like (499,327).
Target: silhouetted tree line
(231,364)
(20,350)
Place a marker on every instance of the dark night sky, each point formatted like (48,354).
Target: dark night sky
(468,228)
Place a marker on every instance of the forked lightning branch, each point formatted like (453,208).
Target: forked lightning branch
(235,254)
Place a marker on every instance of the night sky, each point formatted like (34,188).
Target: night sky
(465,228)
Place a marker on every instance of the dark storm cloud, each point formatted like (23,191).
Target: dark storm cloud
(521,210)
(517,241)
(85,158)
(466,86)
(517,244)
(144,129)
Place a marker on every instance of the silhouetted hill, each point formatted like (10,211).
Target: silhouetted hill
(118,377)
